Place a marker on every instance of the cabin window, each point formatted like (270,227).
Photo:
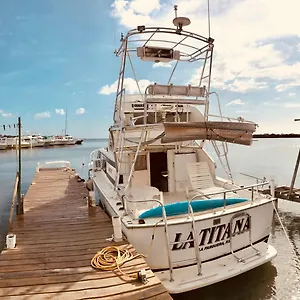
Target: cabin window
(141,163)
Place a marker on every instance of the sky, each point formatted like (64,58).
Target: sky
(58,56)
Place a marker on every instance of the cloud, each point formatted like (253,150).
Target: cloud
(60,111)
(235,102)
(291,94)
(246,60)
(291,105)
(283,105)
(284,86)
(43,115)
(162,64)
(80,111)
(243,111)
(130,86)
(6,115)
(68,83)
(133,13)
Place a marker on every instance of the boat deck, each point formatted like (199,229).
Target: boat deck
(56,239)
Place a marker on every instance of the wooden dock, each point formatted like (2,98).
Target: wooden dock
(283,192)
(57,237)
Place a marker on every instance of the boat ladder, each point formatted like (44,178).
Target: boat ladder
(194,239)
(233,233)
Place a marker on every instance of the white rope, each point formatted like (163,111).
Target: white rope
(286,234)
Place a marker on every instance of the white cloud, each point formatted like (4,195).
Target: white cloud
(43,115)
(130,86)
(291,94)
(80,111)
(291,105)
(144,7)
(6,115)
(235,102)
(134,13)
(245,60)
(283,104)
(60,111)
(162,64)
(243,111)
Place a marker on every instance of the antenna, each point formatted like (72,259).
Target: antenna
(179,22)
(208,18)
(175,10)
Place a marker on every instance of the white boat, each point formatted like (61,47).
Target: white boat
(3,143)
(62,140)
(13,142)
(158,179)
(38,141)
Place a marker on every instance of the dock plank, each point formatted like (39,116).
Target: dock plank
(56,239)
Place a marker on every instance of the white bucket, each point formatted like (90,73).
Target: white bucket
(116,221)
(11,240)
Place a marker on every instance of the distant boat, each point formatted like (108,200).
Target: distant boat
(62,140)
(3,143)
(78,141)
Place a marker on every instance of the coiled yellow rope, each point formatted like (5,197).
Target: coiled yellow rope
(113,257)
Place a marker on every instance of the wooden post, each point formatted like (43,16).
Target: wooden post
(12,208)
(295,174)
(20,210)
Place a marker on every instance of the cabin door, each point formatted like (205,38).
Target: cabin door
(159,170)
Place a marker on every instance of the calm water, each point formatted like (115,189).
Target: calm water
(272,158)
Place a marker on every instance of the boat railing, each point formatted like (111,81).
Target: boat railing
(230,119)
(164,215)
(248,187)
(53,164)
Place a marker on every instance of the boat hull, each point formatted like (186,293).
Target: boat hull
(186,279)
(215,244)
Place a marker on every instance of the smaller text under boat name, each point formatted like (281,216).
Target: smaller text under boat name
(212,237)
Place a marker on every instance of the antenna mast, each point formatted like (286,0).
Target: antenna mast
(208,18)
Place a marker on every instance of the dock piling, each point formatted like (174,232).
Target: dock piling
(294,175)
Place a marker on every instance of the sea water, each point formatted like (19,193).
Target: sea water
(270,158)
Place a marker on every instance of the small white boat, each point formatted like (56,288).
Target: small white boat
(62,140)
(38,141)
(156,176)
(3,143)
(26,142)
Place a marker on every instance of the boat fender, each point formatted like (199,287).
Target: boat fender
(89,185)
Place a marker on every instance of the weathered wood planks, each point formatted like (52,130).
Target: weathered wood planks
(56,238)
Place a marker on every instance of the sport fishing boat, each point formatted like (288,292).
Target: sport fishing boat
(155,175)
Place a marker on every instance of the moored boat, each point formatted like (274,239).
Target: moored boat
(3,143)
(155,175)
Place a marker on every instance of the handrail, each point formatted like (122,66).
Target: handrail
(254,177)
(196,240)
(164,214)
(13,202)
(230,191)
(231,118)
(65,163)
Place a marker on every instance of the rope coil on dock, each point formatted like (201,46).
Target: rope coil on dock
(112,258)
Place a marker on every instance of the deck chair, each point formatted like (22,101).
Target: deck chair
(201,181)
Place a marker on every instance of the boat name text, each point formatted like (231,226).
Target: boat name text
(212,237)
